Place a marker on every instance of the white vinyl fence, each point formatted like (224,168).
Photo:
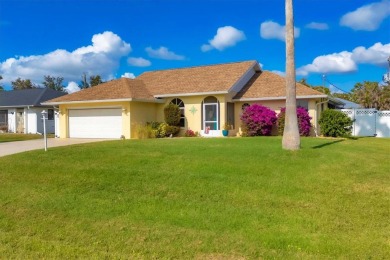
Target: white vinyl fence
(369,122)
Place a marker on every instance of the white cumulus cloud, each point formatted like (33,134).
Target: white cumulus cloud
(346,61)
(138,62)
(368,17)
(280,73)
(272,30)
(317,26)
(226,36)
(72,87)
(332,63)
(163,53)
(377,54)
(101,58)
(128,75)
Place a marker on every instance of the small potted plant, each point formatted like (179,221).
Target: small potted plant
(226,128)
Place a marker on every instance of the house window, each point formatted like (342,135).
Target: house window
(180,103)
(230,114)
(3,117)
(244,106)
(50,114)
(210,115)
(303,103)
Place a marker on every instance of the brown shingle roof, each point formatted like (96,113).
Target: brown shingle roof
(266,84)
(123,88)
(202,79)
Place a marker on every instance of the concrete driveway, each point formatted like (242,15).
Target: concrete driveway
(8,148)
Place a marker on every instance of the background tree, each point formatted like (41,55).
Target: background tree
(291,139)
(22,84)
(322,89)
(325,90)
(53,83)
(95,80)
(84,83)
(367,94)
(303,81)
(346,96)
(385,97)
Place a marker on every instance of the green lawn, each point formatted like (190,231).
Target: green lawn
(194,198)
(8,137)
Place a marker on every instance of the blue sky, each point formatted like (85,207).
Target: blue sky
(346,40)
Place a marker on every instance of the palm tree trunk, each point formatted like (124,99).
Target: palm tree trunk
(291,139)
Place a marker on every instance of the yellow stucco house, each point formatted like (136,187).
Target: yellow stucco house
(208,96)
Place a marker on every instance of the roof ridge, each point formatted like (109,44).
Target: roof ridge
(36,102)
(198,66)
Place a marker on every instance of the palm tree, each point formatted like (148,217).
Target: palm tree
(291,139)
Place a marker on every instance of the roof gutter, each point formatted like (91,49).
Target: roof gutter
(279,98)
(191,94)
(19,106)
(103,101)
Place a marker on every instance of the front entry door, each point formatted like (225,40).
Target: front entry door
(210,117)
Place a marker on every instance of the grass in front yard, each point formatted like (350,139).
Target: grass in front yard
(10,137)
(198,198)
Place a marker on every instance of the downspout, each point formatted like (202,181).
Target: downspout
(56,121)
(317,125)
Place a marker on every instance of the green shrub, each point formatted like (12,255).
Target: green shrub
(153,124)
(172,114)
(161,130)
(145,131)
(165,130)
(335,123)
(172,130)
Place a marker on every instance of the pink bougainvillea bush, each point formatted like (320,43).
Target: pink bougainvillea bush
(303,121)
(257,120)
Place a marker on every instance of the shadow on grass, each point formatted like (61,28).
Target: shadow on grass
(329,143)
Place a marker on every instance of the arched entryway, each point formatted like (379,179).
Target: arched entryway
(210,116)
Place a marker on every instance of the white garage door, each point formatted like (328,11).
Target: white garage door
(95,123)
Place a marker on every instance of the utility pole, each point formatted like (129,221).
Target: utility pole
(323,80)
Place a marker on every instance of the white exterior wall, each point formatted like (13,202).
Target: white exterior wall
(31,122)
(12,120)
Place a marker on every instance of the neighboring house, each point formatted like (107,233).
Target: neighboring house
(208,96)
(339,103)
(20,110)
